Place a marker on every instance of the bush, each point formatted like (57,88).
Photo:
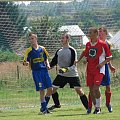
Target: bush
(8,56)
(115,53)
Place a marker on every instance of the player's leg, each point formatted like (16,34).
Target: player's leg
(59,82)
(90,83)
(48,85)
(89,104)
(55,97)
(97,95)
(83,97)
(48,94)
(43,108)
(77,86)
(38,76)
(108,93)
(108,98)
(96,91)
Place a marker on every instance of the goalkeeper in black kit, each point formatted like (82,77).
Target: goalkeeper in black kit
(68,73)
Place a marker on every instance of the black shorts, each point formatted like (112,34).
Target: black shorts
(61,81)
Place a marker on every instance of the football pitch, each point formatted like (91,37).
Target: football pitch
(66,112)
(63,113)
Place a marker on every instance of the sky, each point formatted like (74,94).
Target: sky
(28,2)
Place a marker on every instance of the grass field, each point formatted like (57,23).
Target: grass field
(64,113)
(71,109)
(20,101)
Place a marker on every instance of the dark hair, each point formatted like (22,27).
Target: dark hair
(104,29)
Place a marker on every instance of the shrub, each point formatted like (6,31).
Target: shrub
(8,56)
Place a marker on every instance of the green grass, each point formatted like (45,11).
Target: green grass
(20,101)
(71,109)
(64,113)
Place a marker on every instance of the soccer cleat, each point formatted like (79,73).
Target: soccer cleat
(97,111)
(89,110)
(44,112)
(48,112)
(109,108)
(54,107)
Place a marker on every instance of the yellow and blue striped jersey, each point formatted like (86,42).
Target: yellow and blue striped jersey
(36,58)
(109,44)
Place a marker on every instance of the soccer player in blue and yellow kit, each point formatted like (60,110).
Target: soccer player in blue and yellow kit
(106,79)
(36,57)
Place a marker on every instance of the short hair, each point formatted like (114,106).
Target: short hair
(31,33)
(94,29)
(104,29)
(66,35)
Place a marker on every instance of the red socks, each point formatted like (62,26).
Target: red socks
(108,96)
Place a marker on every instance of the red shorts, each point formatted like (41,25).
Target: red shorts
(94,79)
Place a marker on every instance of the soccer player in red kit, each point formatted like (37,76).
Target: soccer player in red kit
(106,79)
(97,54)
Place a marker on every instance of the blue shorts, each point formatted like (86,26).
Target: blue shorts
(42,79)
(106,78)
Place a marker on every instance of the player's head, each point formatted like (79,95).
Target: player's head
(102,32)
(33,38)
(93,33)
(65,39)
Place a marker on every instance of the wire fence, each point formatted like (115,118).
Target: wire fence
(48,19)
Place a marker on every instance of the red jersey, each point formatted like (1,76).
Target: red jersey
(95,55)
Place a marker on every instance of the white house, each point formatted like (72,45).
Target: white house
(77,35)
(115,40)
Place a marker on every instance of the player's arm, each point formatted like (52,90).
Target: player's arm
(46,54)
(47,64)
(112,68)
(54,60)
(108,56)
(103,63)
(82,55)
(26,59)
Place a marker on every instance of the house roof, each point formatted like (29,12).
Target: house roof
(115,40)
(74,30)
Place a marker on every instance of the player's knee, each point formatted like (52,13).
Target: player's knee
(79,91)
(108,89)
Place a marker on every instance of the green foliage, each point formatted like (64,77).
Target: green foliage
(115,54)
(13,21)
(8,56)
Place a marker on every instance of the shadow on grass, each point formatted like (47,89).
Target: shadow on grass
(71,115)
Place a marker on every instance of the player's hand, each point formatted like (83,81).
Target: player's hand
(48,67)
(85,62)
(25,63)
(99,65)
(112,68)
(63,70)
(75,62)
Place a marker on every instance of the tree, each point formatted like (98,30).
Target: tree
(11,25)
